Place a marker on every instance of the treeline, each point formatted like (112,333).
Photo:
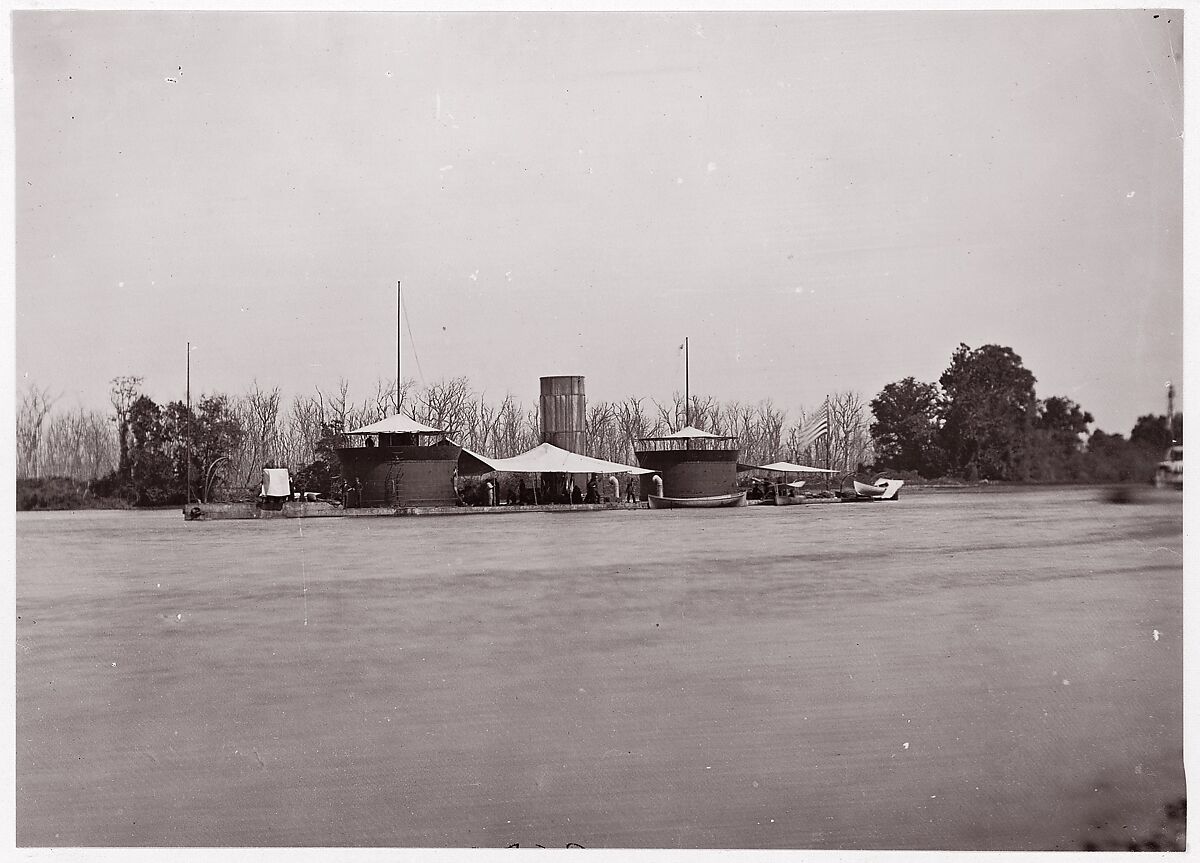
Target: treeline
(138,452)
(983,420)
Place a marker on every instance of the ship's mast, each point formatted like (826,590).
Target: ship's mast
(188,492)
(399,340)
(1171,411)
(687,400)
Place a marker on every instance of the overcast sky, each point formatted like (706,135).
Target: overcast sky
(821,202)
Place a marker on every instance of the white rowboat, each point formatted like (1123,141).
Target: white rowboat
(713,502)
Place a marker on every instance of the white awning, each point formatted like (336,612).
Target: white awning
(397,424)
(547,458)
(276,482)
(788,467)
(690,433)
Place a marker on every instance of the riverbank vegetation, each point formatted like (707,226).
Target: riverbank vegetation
(62,493)
(982,420)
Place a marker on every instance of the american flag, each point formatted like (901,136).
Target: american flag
(817,427)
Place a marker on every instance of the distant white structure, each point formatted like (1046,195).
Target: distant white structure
(277,483)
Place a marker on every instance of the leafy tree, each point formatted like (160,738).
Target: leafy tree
(1064,418)
(990,412)
(1150,432)
(1056,446)
(152,477)
(154,466)
(905,429)
(216,433)
(1111,458)
(324,474)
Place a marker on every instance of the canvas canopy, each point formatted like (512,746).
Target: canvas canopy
(767,482)
(690,433)
(545,458)
(397,424)
(788,467)
(276,482)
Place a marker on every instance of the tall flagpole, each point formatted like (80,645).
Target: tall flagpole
(399,328)
(687,400)
(188,493)
(1171,411)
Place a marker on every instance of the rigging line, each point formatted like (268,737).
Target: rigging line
(408,326)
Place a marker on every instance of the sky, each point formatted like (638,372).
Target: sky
(819,202)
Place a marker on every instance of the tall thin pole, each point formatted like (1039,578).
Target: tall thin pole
(399,328)
(188,493)
(687,399)
(1171,410)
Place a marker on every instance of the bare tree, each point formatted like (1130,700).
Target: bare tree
(599,432)
(765,438)
(509,436)
(849,441)
(31,416)
(60,450)
(301,429)
(445,405)
(669,416)
(336,405)
(381,403)
(123,394)
(699,411)
(797,451)
(703,413)
(99,446)
(258,412)
(631,423)
(486,425)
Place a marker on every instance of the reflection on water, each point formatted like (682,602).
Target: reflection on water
(958,671)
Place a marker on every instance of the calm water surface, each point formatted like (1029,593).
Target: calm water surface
(954,670)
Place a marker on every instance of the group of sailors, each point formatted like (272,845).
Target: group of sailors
(556,488)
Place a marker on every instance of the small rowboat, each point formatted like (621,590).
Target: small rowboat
(785,494)
(883,489)
(713,502)
(864,490)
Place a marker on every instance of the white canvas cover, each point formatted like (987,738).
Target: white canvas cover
(689,433)
(891,487)
(547,458)
(788,467)
(276,482)
(397,424)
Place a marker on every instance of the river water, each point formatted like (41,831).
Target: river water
(955,670)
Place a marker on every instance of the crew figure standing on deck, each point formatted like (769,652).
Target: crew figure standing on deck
(630,492)
(593,490)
